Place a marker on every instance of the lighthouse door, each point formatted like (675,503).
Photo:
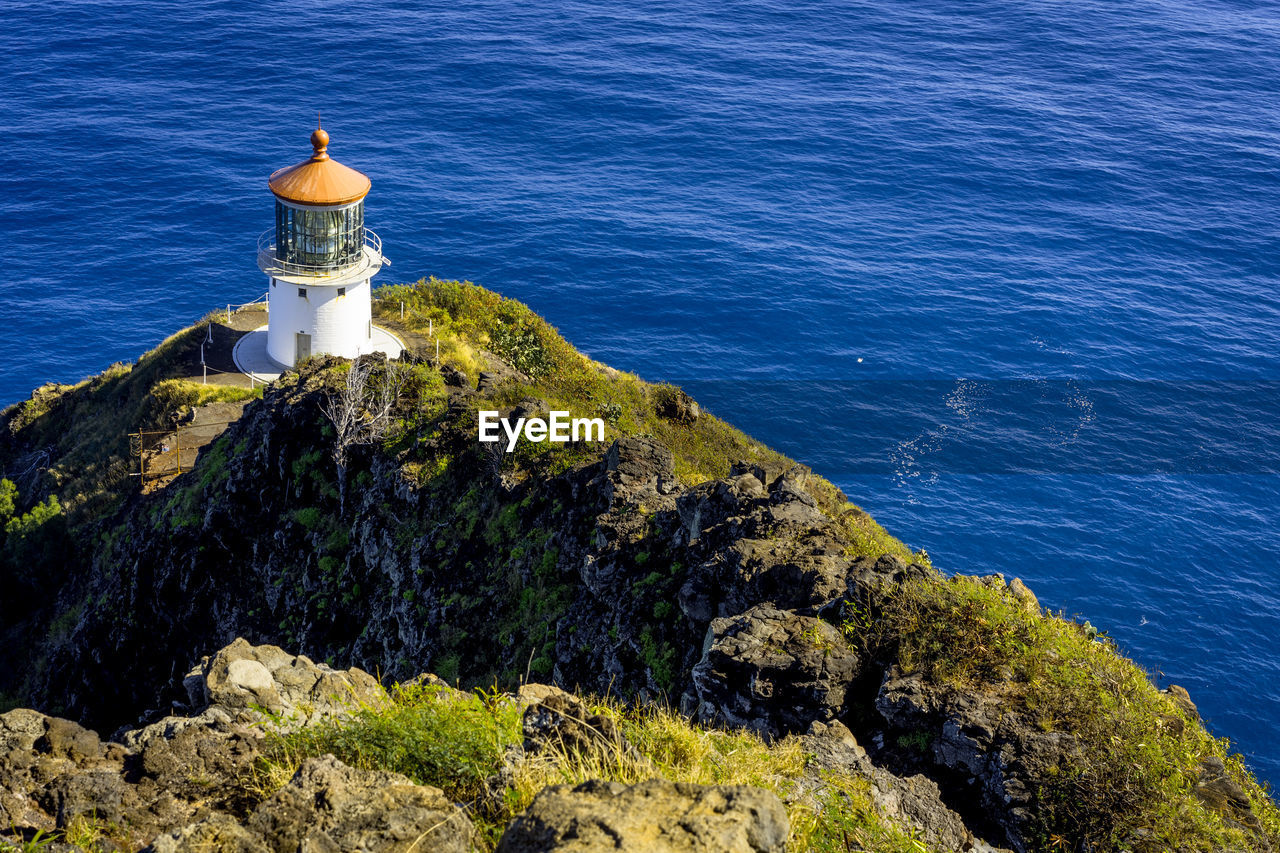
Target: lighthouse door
(303,348)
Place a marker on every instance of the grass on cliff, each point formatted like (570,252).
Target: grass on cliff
(1129,786)
(80,433)
(469,321)
(455,741)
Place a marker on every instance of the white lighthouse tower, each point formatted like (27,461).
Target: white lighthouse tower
(320,259)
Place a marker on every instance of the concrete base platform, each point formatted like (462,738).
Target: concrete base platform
(250,353)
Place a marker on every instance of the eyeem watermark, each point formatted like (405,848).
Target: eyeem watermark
(560,428)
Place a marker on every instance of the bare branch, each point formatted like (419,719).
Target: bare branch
(361,410)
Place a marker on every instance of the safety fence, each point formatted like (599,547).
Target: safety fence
(159,451)
(232,308)
(431,326)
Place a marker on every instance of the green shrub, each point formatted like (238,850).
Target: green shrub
(660,657)
(36,536)
(309,517)
(8,501)
(455,741)
(1138,759)
(433,735)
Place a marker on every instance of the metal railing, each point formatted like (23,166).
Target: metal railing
(270,263)
(261,300)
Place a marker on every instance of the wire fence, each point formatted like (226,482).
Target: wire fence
(431,326)
(232,308)
(204,364)
(253,381)
(159,451)
(159,454)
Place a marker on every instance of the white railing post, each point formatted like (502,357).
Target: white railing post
(228,313)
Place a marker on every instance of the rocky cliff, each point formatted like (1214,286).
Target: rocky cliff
(675,564)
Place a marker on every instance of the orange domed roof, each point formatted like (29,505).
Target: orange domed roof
(319,180)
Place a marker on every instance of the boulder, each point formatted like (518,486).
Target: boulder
(454,378)
(199,761)
(330,806)
(99,792)
(674,404)
(772,671)
(243,685)
(638,468)
(750,544)
(831,746)
(916,801)
(66,739)
(1227,797)
(1024,596)
(217,832)
(532,692)
(246,677)
(1182,701)
(53,771)
(561,723)
(870,579)
(656,816)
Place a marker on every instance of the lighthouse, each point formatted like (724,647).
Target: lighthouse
(320,259)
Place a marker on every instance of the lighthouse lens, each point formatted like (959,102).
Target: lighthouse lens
(321,238)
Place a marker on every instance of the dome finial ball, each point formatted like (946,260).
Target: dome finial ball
(320,141)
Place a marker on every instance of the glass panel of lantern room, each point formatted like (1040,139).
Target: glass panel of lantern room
(320,238)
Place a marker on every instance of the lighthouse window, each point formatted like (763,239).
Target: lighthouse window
(342,291)
(302,292)
(320,238)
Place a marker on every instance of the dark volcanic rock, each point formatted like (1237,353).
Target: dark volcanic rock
(751,544)
(637,468)
(1225,796)
(52,771)
(997,755)
(560,722)
(652,817)
(773,671)
(1182,700)
(197,761)
(218,832)
(675,405)
(913,801)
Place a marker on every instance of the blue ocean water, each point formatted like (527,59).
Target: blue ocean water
(1004,271)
